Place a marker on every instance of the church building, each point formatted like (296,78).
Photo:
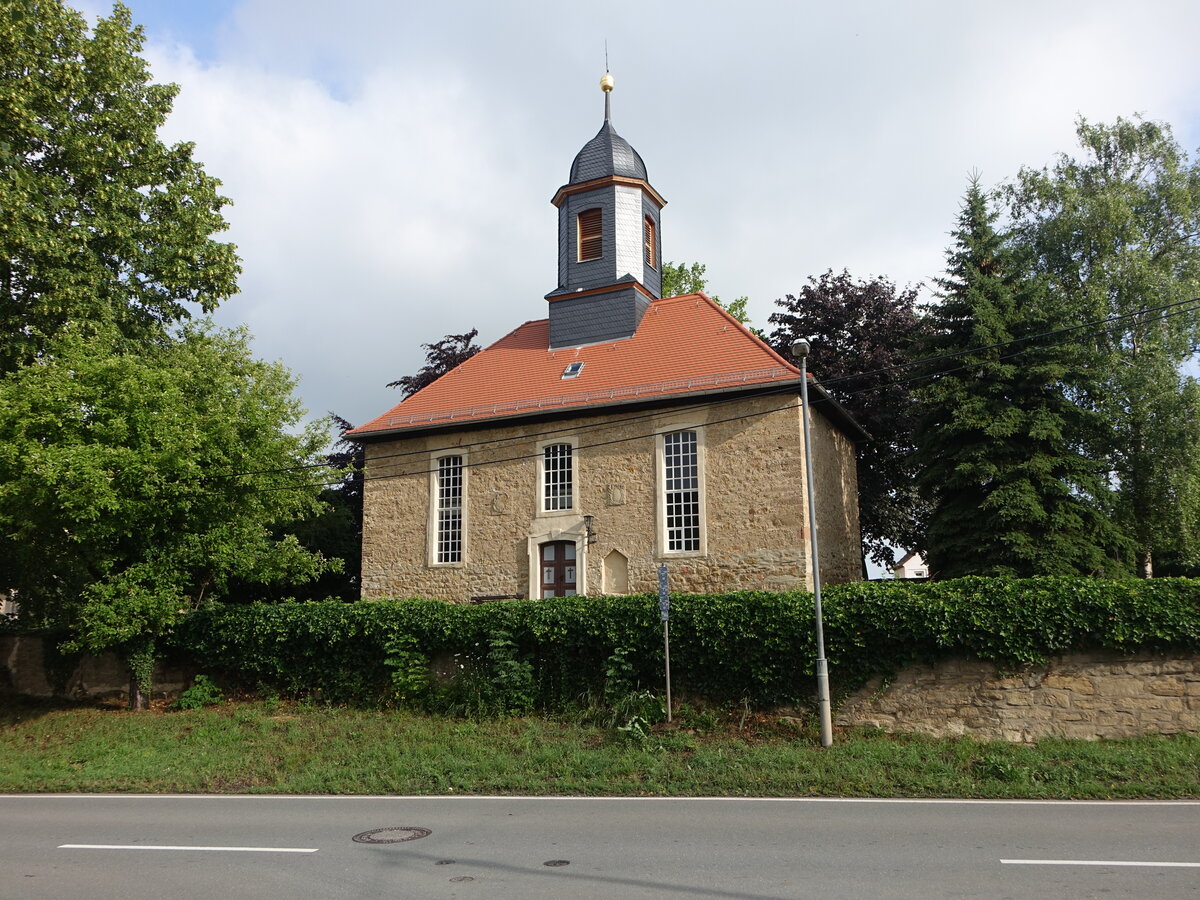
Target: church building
(625,430)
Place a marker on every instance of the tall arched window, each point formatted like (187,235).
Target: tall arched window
(648,239)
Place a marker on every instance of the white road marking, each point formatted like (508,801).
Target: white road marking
(171,847)
(1100,862)
(915,801)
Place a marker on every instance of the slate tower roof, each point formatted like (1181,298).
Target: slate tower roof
(607,154)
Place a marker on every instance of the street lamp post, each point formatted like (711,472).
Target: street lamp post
(800,351)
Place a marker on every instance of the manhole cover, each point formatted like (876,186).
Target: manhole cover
(557,862)
(445,862)
(462,878)
(391,835)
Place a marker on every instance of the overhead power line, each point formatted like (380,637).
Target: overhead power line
(1169,310)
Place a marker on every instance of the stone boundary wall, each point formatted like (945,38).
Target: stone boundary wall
(94,677)
(1080,695)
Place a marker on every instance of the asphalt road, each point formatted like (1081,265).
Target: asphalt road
(132,847)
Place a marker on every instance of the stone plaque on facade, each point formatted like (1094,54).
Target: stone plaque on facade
(499,504)
(616,495)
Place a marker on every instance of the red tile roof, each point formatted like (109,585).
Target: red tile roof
(684,345)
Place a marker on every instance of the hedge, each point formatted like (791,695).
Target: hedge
(748,645)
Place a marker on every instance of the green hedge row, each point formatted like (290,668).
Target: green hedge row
(754,645)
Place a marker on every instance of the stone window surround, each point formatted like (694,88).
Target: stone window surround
(432,534)
(540,461)
(535,541)
(661,491)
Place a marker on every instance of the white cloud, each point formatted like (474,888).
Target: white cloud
(356,218)
(391,164)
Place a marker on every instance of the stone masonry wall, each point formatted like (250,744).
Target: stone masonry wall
(92,677)
(1089,696)
(835,476)
(752,493)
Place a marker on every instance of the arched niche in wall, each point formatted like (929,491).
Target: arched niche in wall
(616,573)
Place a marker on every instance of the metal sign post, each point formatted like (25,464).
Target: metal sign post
(664,609)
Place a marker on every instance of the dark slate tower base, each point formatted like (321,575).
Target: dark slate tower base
(594,318)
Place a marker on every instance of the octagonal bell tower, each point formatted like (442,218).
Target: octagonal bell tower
(609,241)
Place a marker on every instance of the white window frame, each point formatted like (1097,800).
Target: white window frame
(434,533)
(664,550)
(542,509)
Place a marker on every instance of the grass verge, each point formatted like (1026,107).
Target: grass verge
(277,747)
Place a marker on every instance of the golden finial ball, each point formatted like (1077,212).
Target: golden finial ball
(606,83)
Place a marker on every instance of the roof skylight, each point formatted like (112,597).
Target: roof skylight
(572,370)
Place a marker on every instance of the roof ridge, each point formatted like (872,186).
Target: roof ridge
(524,324)
(745,329)
(690,296)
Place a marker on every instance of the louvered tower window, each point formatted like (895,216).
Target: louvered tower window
(591,235)
(648,238)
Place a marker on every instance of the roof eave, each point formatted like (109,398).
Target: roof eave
(567,189)
(582,408)
(840,415)
(835,412)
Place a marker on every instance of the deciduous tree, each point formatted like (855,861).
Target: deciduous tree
(334,531)
(680,278)
(440,357)
(102,222)
(145,463)
(859,331)
(1116,232)
(135,485)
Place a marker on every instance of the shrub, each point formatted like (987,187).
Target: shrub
(203,692)
(519,655)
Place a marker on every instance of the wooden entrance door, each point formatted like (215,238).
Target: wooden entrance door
(558,568)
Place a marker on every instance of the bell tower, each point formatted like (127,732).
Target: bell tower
(609,241)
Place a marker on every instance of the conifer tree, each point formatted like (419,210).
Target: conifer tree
(999,443)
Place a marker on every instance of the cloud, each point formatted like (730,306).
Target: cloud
(391,164)
(364,223)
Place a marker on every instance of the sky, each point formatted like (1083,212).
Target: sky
(391,164)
